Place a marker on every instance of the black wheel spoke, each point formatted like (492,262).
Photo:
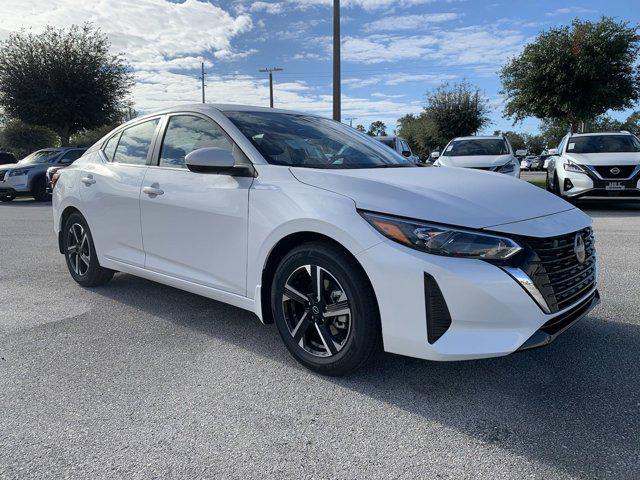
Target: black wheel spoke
(327,339)
(293,294)
(301,328)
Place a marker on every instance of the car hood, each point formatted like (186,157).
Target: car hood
(465,198)
(625,158)
(475,161)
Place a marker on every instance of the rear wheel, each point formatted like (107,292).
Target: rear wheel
(39,190)
(7,198)
(325,309)
(80,253)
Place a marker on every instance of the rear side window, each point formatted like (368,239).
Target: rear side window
(135,142)
(186,133)
(110,148)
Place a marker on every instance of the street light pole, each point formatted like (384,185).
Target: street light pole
(336,60)
(202,79)
(270,71)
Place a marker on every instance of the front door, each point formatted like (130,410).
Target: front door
(194,225)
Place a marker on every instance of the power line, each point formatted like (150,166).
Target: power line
(270,71)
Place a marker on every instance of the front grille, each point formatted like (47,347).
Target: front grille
(556,272)
(619,171)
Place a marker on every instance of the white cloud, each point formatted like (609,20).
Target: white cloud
(569,10)
(144,30)
(409,22)
(392,79)
(269,7)
(364,4)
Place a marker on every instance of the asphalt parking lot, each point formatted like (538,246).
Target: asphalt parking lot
(139,380)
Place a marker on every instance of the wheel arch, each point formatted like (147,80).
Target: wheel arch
(279,251)
(63,218)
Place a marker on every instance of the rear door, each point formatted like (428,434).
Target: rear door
(194,225)
(110,190)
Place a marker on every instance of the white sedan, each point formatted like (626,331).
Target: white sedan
(343,243)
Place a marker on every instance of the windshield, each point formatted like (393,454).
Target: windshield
(479,146)
(41,156)
(299,140)
(603,144)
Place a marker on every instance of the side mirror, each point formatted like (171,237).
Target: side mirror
(521,153)
(216,160)
(406,153)
(553,151)
(435,155)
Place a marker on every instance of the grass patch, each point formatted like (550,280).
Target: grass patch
(538,182)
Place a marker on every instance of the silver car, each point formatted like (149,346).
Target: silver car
(28,176)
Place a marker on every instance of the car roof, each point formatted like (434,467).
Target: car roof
(385,137)
(220,107)
(481,137)
(598,134)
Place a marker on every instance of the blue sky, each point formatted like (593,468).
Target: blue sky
(394,51)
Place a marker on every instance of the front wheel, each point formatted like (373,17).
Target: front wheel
(325,309)
(39,190)
(7,198)
(80,253)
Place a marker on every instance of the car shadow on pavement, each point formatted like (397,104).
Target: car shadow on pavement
(573,405)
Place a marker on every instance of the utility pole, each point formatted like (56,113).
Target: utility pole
(351,119)
(336,60)
(270,71)
(202,80)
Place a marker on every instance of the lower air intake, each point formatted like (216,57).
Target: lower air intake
(438,317)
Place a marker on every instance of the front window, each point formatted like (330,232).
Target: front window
(477,146)
(39,157)
(299,140)
(603,144)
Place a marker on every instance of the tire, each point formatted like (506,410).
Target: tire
(7,198)
(39,190)
(334,333)
(80,253)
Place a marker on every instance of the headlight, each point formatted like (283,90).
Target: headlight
(442,240)
(508,167)
(573,167)
(18,171)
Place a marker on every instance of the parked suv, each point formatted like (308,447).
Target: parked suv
(595,165)
(490,153)
(28,176)
(400,145)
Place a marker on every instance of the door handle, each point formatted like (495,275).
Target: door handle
(88,180)
(153,190)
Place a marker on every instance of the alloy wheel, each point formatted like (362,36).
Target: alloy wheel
(78,250)
(317,311)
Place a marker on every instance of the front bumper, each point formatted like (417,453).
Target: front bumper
(590,184)
(7,190)
(491,314)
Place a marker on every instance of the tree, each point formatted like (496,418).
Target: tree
(451,111)
(377,128)
(360,128)
(22,139)
(89,137)
(552,132)
(574,74)
(535,144)
(64,80)
(457,110)
(517,140)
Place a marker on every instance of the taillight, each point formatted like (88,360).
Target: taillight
(54,179)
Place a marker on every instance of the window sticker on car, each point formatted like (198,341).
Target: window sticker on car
(449,148)
(571,146)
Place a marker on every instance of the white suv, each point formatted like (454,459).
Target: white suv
(490,153)
(595,165)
